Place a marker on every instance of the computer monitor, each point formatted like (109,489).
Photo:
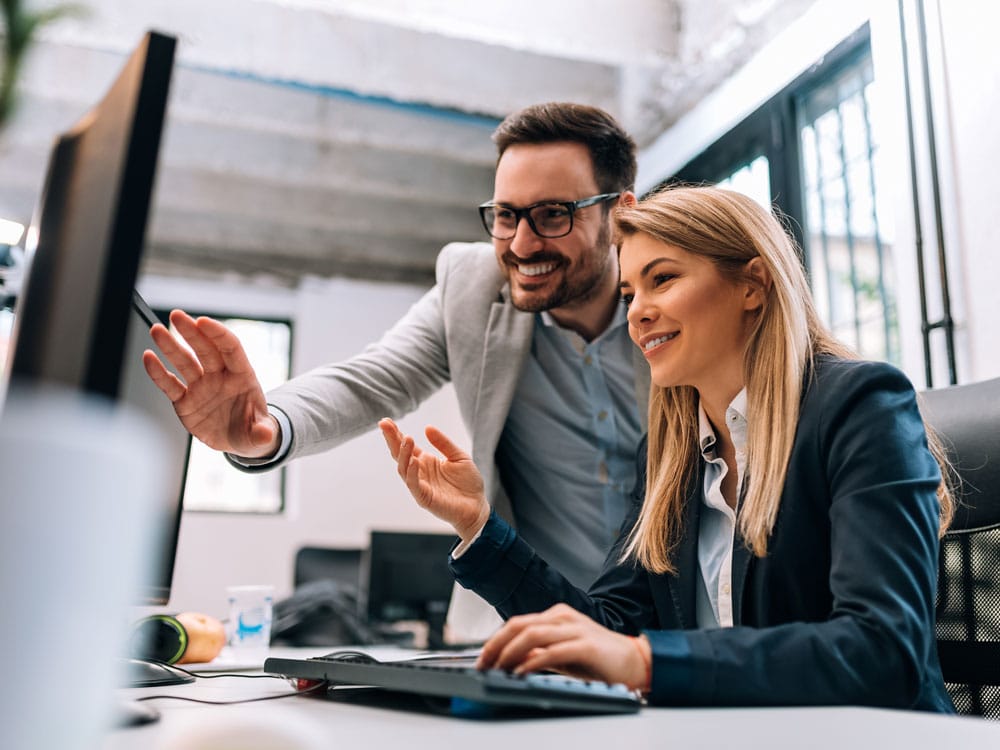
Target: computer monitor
(139,392)
(85,243)
(408,579)
(78,323)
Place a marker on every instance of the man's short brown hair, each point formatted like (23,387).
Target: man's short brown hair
(612,150)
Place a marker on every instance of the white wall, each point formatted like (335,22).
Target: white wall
(333,499)
(965,73)
(970,93)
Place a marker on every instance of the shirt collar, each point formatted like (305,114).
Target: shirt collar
(736,414)
(619,320)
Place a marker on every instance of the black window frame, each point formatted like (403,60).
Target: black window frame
(772,131)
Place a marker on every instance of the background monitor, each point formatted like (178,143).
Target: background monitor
(408,579)
(139,392)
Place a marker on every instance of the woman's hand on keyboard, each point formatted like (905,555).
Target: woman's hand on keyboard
(450,487)
(567,641)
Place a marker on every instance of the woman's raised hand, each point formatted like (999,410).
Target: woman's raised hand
(450,487)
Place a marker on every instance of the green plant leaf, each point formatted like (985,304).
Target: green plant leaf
(18,31)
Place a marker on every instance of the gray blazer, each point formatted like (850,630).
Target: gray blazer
(464,330)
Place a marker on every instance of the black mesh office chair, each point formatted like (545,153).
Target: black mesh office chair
(967,417)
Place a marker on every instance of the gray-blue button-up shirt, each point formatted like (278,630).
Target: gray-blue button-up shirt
(567,452)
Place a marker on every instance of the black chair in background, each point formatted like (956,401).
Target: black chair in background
(967,418)
(325,608)
(369,596)
(339,564)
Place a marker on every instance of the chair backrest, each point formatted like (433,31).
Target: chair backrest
(325,607)
(967,419)
(339,564)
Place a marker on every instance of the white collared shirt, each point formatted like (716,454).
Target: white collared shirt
(717,521)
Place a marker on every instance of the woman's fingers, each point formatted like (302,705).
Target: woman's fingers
(567,641)
(532,644)
(408,467)
(444,444)
(407,455)
(449,487)
(498,641)
(403,457)
(392,436)
(500,650)
(569,656)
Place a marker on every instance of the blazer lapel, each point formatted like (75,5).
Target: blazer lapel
(506,344)
(742,556)
(741,564)
(682,587)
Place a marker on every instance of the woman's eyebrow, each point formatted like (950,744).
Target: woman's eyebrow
(655,262)
(646,269)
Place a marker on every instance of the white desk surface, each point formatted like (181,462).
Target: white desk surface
(306,723)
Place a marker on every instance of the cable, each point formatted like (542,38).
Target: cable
(304,691)
(213,675)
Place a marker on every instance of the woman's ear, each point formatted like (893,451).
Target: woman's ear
(628,199)
(759,284)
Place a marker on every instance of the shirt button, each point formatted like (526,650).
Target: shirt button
(588,360)
(726,589)
(602,415)
(602,473)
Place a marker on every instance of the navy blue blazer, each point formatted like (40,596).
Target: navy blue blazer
(839,611)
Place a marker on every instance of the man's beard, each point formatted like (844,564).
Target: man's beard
(579,283)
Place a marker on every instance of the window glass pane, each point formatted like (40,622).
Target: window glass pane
(848,233)
(852,114)
(808,156)
(752,179)
(212,483)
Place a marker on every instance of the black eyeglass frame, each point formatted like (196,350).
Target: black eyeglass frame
(525,213)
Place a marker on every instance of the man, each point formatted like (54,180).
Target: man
(530,333)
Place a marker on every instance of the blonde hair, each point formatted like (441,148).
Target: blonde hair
(730,229)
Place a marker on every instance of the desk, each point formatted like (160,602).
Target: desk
(305,723)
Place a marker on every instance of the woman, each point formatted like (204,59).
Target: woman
(782,547)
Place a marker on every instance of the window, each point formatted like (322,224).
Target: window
(751,179)
(212,483)
(811,151)
(847,238)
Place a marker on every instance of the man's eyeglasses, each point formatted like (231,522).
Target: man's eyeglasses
(549,219)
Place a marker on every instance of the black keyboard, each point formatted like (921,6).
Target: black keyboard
(467,687)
